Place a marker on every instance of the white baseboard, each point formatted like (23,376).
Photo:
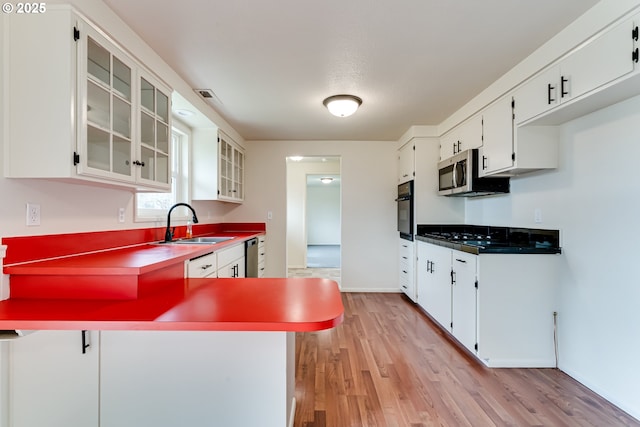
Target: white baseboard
(373,290)
(292,414)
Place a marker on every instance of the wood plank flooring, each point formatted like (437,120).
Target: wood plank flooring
(388,365)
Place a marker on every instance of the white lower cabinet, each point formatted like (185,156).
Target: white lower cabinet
(262,255)
(201,378)
(434,282)
(499,306)
(53,379)
(464,303)
(204,266)
(151,379)
(406,268)
(231,262)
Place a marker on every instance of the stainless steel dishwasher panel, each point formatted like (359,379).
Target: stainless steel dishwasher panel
(251,257)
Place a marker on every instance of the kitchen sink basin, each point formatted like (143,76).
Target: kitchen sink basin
(200,240)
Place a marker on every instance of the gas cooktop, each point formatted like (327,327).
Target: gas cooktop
(488,239)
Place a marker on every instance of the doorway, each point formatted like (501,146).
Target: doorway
(314,197)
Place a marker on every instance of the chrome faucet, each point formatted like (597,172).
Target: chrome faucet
(168,235)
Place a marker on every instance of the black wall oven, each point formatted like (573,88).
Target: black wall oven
(405,210)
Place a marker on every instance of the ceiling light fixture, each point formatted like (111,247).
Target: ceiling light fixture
(326,180)
(342,105)
(185,113)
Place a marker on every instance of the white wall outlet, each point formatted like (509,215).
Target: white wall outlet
(537,215)
(121,215)
(269,215)
(33,214)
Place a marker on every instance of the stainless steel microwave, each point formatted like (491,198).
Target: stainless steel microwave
(458,176)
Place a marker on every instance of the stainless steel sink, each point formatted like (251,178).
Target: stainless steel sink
(200,241)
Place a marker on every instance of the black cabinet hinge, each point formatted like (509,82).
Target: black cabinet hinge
(76,158)
(76,34)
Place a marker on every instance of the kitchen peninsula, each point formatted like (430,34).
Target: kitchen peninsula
(191,352)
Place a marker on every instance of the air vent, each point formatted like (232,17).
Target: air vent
(205,93)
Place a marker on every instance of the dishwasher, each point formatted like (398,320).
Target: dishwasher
(251,257)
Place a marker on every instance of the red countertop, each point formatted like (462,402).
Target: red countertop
(138,259)
(121,280)
(117,273)
(267,304)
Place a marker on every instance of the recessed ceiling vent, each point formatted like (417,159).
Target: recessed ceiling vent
(206,93)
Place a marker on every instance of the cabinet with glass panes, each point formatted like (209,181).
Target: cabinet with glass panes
(96,106)
(231,170)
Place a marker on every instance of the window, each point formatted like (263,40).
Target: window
(154,206)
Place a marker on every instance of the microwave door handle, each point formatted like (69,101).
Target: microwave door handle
(454,175)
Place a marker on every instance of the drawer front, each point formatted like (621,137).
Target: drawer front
(226,256)
(204,266)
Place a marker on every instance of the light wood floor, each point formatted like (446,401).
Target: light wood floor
(387,365)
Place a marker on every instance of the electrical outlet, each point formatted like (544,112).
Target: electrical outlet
(269,215)
(537,215)
(121,215)
(33,214)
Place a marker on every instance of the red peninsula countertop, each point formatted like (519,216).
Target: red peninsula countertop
(266,304)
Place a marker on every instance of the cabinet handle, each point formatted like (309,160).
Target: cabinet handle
(484,162)
(453,277)
(204,267)
(405,271)
(138,163)
(461,260)
(86,342)
(549,89)
(634,55)
(634,34)
(562,91)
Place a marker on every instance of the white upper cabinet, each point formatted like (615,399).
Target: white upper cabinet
(592,65)
(155,132)
(218,167)
(497,151)
(230,170)
(79,107)
(465,136)
(406,162)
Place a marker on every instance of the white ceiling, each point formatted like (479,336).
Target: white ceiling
(413,62)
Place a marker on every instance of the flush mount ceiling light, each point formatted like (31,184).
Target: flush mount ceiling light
(342,105)
(326,180)
(185,113)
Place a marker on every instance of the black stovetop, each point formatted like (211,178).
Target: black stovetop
(489,239)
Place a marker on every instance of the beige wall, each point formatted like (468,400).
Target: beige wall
(368,179)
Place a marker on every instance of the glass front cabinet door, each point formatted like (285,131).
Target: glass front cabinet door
(106,132)
(124,118)
(153,157)
(231,170)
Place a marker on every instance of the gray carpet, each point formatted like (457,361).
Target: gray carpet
(323,256)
